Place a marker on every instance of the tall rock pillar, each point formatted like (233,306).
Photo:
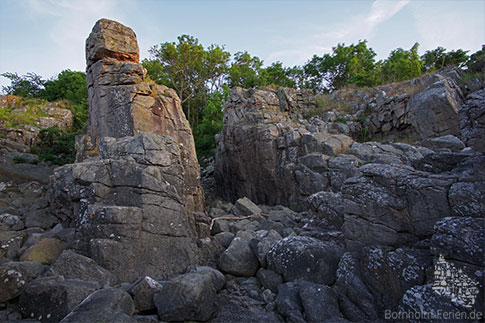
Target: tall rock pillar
(122,104)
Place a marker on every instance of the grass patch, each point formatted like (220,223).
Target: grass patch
(19,160)
(469,76)
(324,104)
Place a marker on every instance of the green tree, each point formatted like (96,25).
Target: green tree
(297,75)
(276,74)
(402,65)
(29,85)
(244,71)
(68,85)
(189,69)
(438,58)
(211,123)
(476,62)
(347,65)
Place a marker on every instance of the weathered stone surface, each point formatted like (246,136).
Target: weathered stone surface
(128,206)
(262,242)
(196,295)
(45,251)
(434,111)
(122,104)
(401,269)
(247,207)
(71,265)
(261,152)
(305,258)
(239,258)
(288,302)
(14,276)
(106,305)
(110,39)
(50,299)
(57,117)
(224,238)
(391,205)
(472,120)
(467,199)
(329,206)
(423,299)
(356,301)
(143,292)
(448,142)
(460,238)
(269,279)
(319,302)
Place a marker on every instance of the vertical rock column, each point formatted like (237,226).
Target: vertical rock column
(132,192)
(121,104)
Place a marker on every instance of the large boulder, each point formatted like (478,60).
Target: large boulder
(393,205)
(239,259)
(49,299)
(434,111)
(71,265)
(134,190)
(195,297)
(106,305)
(305,258)
(14,276)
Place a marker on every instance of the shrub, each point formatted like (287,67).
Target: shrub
(55,146)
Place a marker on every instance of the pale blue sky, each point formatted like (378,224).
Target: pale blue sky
(48,36)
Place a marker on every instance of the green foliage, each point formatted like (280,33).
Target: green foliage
(354,64)
(476,63)
(244,71)
(19,159)
(402,65)
(211,124)
(189,69)
(29,85)
(33,109)
(155,71)
(276,74)
(55,146)
(69,85)
(438,58)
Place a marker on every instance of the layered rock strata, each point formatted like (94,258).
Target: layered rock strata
(132,195)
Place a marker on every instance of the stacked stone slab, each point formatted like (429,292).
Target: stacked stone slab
(122,104)
(134,190)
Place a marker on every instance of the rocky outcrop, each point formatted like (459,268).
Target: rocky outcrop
(127,208)
(377,220)
(472,120)
(288,155)
(434,111)
(132,196)
(43,116)
(122,104)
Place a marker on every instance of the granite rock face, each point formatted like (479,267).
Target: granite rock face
(472,120)
(127,209)
(122,104)
(434,111)
(287,171)
(132,194)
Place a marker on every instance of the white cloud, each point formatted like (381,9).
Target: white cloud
(348,31)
